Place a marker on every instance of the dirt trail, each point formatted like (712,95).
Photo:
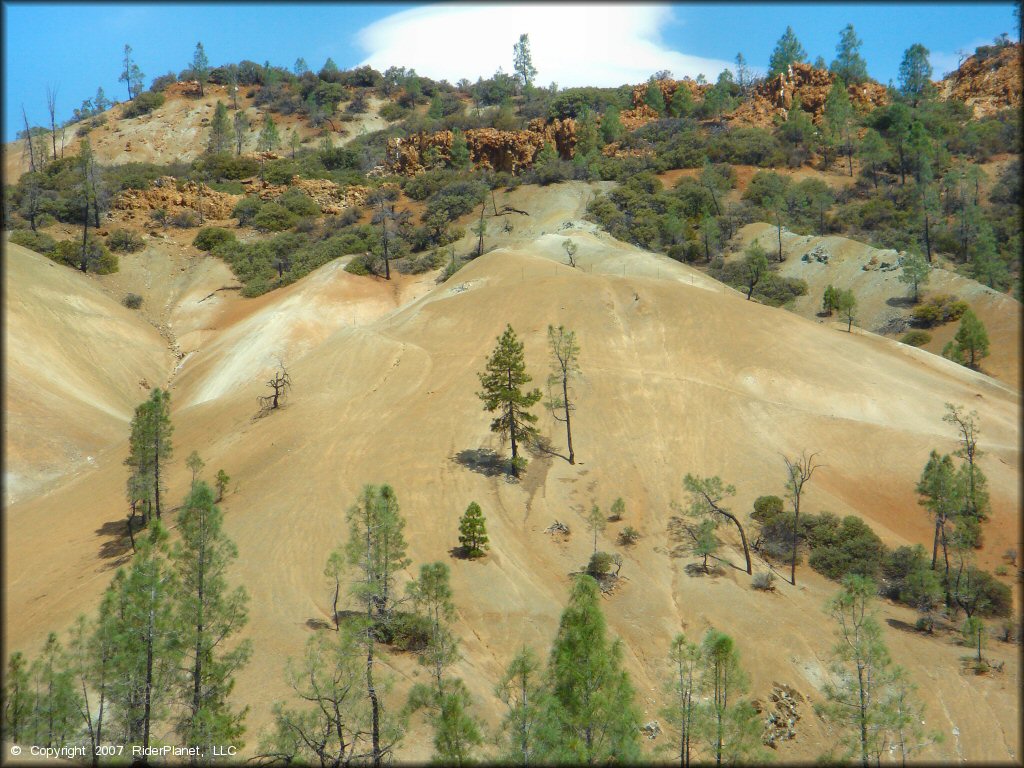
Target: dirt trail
(680,374)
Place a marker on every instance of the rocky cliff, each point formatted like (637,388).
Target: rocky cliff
(988,82)
(489,148)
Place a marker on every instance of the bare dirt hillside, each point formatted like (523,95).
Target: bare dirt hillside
(179,130)
(680,374)
(883,302)
(76,364)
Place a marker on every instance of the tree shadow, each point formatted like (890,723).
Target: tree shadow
(905,627)
(696,570)
(118,546)
(900,301)
(542,444)
(483,461)
(344,615)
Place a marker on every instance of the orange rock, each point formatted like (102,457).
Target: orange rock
(165,194)
(989,83)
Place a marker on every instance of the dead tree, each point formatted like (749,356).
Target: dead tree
(28,138)
(280,384)
(799,471)
(51,106)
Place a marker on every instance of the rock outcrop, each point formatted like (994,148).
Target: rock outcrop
(166,194)
(489,148)
(987,82)
(331,198)
(641,114)
(773,98)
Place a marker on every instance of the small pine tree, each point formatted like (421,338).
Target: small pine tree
(591,716)
(682,102)
(502,383)
(472,531)
(970,343)
(611,125)
(916,271)
(220,129)
(654,98)
(222,484)
(787,51)
(618,510)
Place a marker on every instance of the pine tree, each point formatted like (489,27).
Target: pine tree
(730,728)
(149,451)
(915,273)
(91,652)
(654,98)
(943,497)
(755,266)
(874,153)
(970,343)
(201,68)
(456,731)
(706,497)
(57,707)
(591,715)
(869,697)
(565,366)
(848,64)
(787,51)
(523,62)
(502,384)
(269,139)
(522,691)
(147,651)
(986,265)
(431,594)
(222,484)
(333,725)
(376,549)
(915,75)
(17,702)
(459,154)
(240,125)
(611,125)
(131,75)
(683,688)
(209,614)
(846,306)
(839,120)
(976,501)
(220,130)
(473,531)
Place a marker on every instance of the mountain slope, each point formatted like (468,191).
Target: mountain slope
(680,374)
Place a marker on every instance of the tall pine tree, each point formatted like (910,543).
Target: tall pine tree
(502,384)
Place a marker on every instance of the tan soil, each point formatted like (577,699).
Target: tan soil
(680,374)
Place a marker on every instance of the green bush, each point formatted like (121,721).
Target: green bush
(851,548)
(392,112)
(941,308)
(142,104)
(916,338)
(245,210)
(455,200)
(209,238)
(764,581)
(299,203)
(767,508)
(100,259)
(225,165)
(600,564)
(273,217)
(407,631)
(125,240)
(132,300)
(629,536)
(40,242)
(280,171)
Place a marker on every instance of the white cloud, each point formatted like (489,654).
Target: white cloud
(572,45)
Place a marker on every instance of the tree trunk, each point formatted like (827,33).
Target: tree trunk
(568,426)
(796,529)
(935,543)
(849,157)
(28,138)
(778,220)
(197,669)
(512,426)
(149,675)
(927,238)
(371,691)
(863,716)
(84,265)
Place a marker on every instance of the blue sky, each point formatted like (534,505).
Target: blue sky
(78,46)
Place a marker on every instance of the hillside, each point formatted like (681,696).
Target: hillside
(680,374)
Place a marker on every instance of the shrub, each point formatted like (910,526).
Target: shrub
(245,210)
(851,548)
(101,260)
(767,508)
(358,266)
(392,112)
(161,82)
(185,219)
(132,300)
(125,240)
(40,242)
(916,338)
(224,165)
(279,171)
(407,631)
(941,308)
(628,536)
(299,203)
(455,200)
(600,564)
(273,217)
(764,581)
(143,104)
(209,238)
